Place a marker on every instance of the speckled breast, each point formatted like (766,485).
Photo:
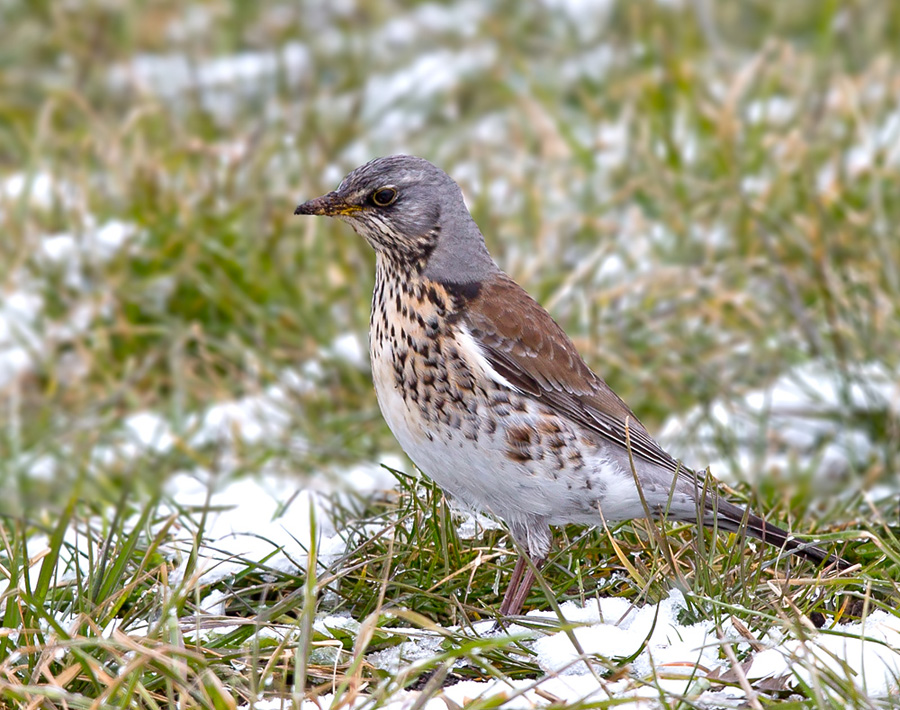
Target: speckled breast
(481,442)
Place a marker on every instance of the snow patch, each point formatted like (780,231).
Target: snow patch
(805,413)
(27,334)
(350,348)
(267,520)
(867,652)
(397,101)
(222,84)
(618,630)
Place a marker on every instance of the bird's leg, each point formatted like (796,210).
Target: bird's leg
(522,593)
(513,585)
(518,588)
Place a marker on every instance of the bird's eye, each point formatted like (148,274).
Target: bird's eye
(384,196)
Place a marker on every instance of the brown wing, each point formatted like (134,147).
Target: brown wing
(527,347)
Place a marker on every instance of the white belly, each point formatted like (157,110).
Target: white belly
(481,474)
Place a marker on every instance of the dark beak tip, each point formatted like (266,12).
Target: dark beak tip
(309,207)
(326,205)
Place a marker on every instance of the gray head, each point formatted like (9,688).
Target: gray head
(412,213)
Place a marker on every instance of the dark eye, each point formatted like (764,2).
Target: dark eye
(384,196)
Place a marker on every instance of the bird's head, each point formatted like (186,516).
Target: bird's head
(411,212)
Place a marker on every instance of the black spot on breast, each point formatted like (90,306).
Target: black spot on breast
(519,440)
(435,298)
(548,425)
(465,381)
(575,460)
(519,435)
(555,442)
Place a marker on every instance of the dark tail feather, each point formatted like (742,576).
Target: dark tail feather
(727,516)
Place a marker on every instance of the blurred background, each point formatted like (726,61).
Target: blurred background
(704,194)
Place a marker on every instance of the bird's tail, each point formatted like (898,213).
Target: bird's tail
(732,518)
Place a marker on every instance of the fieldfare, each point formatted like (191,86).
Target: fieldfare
(487,394)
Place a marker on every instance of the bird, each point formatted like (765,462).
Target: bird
(486,393)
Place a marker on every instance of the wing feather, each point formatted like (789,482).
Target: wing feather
(528,348)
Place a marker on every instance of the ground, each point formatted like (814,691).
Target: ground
(703,194)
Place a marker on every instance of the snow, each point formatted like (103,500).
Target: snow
(583,11)
(673,658)
(27,334)
(371,478)
(801,416)
(868,652)
(460,18)
(878,141)
(149,432)
(252,419)
(351,349)
(777,110)
(618,630)
(222,83)
(268,520)
(393,101)
(19,311)
(39,189)
(94,246)
(594,64)
(474,524)
(676,659)
(878,145)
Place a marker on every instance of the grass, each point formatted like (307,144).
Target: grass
(704,196)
